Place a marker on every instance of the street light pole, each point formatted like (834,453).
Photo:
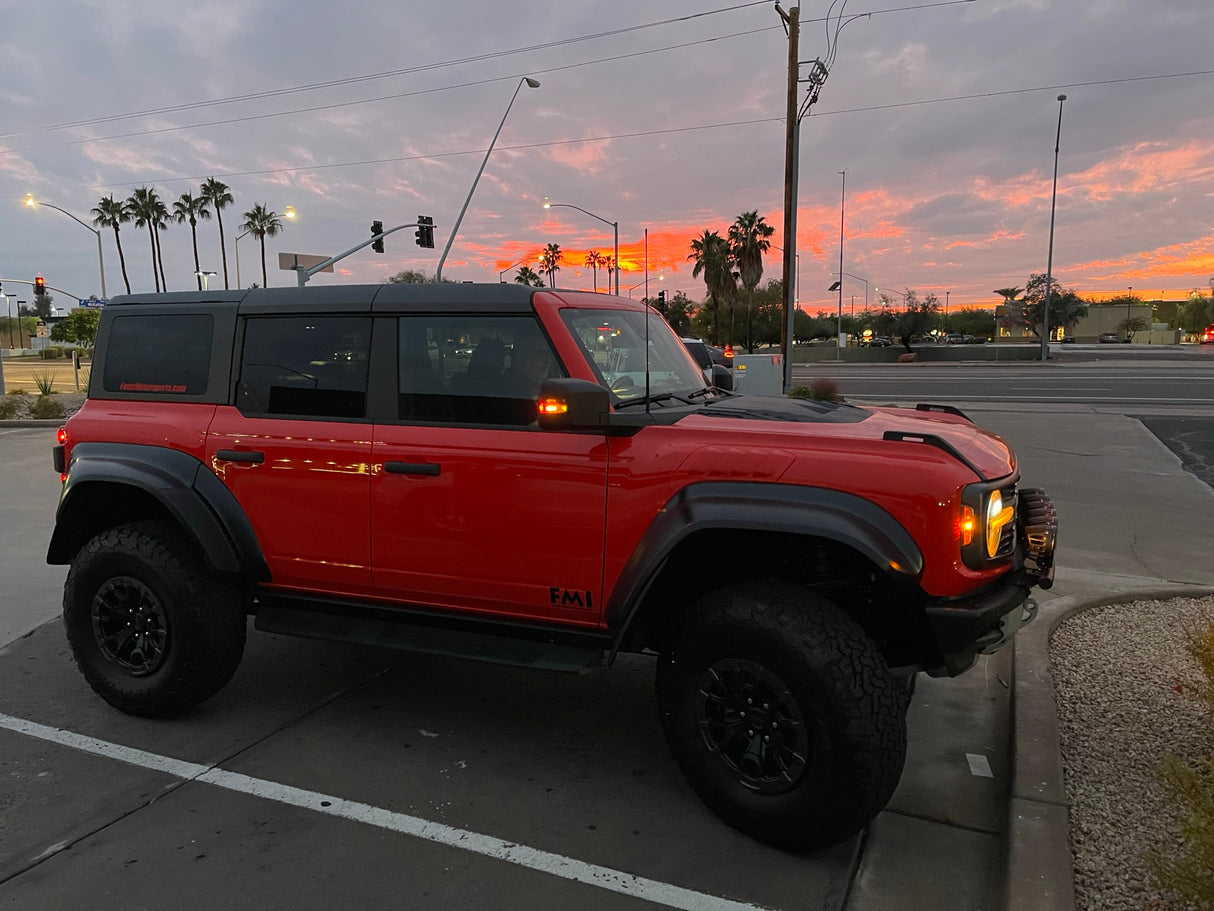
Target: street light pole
(842,208)
(1049,262)
(237,245)
(33,204)
(615,225)
(531,83)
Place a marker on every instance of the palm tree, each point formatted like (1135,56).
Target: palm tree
(143,214)
(110,213)
(218,195)
(748,241)
(550,262)
(192,209)
(528,276)
(608,263)
(159,221)
(593,258)
(263,223)
(710,253)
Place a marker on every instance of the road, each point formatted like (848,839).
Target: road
(1123,384)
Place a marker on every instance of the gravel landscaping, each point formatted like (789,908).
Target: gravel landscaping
(1120,673)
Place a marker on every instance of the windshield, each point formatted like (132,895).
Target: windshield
(614,342)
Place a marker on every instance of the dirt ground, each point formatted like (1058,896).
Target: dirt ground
(22,379)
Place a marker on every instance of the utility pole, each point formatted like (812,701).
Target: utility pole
(792,22)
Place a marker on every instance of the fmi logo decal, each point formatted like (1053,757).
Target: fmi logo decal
(566,597)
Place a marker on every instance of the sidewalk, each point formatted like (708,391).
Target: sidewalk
(1133,525)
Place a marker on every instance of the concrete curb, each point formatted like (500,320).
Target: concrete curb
(1039,868)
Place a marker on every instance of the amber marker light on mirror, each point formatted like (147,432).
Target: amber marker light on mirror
(553,405)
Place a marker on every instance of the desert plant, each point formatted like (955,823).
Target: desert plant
(820,389)
(45,382)
(1190,873)
(46,408)
(9,406)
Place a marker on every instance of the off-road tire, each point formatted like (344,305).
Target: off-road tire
(152,629)
(834,716)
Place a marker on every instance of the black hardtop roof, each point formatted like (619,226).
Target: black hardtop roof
(429,294)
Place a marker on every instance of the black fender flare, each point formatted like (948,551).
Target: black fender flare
(814,511)
(197,500)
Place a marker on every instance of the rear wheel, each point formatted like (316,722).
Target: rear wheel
(152,629)
(782,714)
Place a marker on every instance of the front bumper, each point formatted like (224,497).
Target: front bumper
(986,621)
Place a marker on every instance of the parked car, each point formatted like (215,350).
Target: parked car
(877,341)
(1068,340)
(1107,337)
(568,493)
(1208,336)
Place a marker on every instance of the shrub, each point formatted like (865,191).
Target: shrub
(1191,784)
(47,408)
(50,354)
(9,406)
(821,389)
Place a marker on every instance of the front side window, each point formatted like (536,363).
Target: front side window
(480,369)
(305,366)
(159,354)
(622,345)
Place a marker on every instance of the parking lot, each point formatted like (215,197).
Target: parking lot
(329,775)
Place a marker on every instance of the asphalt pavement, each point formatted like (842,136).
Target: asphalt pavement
(562,794)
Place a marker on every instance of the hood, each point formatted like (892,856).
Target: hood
(948,430)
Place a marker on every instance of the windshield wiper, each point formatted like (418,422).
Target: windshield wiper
(647,400)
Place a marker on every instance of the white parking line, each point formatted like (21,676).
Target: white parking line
(463,839)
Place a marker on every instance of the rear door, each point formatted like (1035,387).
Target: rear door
(295,449)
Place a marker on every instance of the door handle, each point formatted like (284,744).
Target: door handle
(430,469)
(240,455)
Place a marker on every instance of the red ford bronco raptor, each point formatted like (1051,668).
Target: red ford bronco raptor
(538,477)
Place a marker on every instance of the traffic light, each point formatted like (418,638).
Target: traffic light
(377,227)
(39,286)
(662,302)
(425,231)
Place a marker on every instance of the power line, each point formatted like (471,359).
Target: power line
(660,132)
(352,80)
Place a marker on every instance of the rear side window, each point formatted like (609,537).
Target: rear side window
(159,354)
(308,366)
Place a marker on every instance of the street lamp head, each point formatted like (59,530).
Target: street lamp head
(547,203)
(1062,97)
(531,83)
(289,212)
(29,200)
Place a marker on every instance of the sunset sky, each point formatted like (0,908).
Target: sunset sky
(666,117)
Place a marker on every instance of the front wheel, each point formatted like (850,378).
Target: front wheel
(782,715)
(151,628)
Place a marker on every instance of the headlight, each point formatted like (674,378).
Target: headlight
(987,524)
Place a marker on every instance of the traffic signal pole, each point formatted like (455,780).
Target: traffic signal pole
(304,274)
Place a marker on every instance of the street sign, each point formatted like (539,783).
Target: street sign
(293,262)
(93,302)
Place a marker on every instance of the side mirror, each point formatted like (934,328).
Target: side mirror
(572,404)
(721,377)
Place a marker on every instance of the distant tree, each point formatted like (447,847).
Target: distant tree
(528,276)
(192,209)
(79,326)
(973,321)
(916,319)
(748,241)
(1066,307)
(218,196)
(1195,314)
(593,259)
(261,222)
(408,277)
(711,254)
(143,214)
(110,213)
(679,308)
(1134,324)
(550,262)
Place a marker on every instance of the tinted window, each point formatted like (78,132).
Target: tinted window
(313,366)
(164,353)
(472,369)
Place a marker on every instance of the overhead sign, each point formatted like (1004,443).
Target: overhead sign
(293,262)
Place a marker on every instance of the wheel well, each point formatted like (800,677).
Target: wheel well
(97,506)
(889,610)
